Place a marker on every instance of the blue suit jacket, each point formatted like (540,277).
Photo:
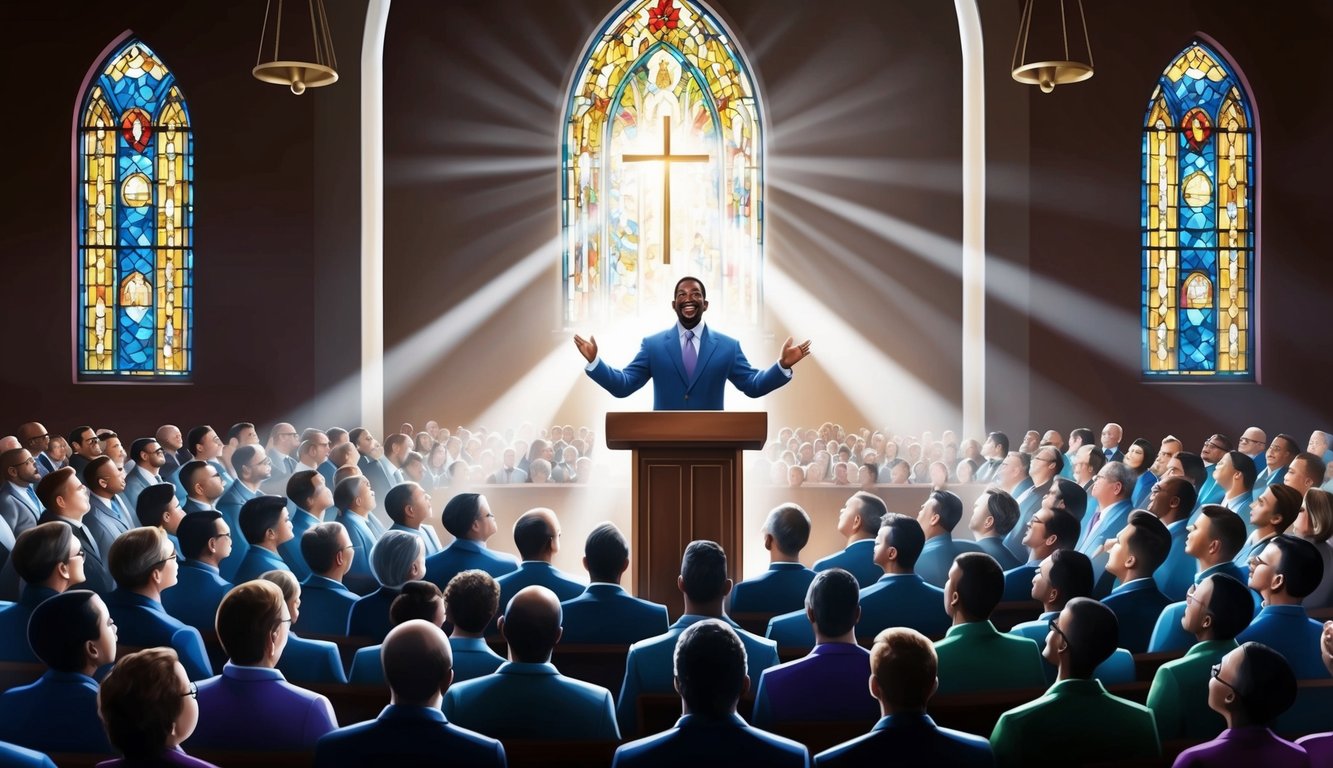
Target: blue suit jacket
(21,757)
(1013,540)
(473,658)
(1018,582)
(198,592)
(827,684)
(909,740)
(255,709)
(325,606)
(937,557)
(858,558)
(229,504)
(995,547)
(142,622)
(257,562)
(650,665)
(302,521)
(779,589)
(360,578)
(104,522)
(369,617)
(1118,669)
(533,701)
(367,669)
(696,740)
(463,555)
(1112,519)
(20,513)
(135,483)
(14,623)
(1288,630)
(1136,605)
(404,735)
(1167,634)
(606,613)
(659,359)
(427,534)
(1175,576)
(374,472)
(537,573)
(58,713)
(311,662)
(328,472)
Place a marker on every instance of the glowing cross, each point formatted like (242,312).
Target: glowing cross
(666,158)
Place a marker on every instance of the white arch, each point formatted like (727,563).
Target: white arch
(974,218)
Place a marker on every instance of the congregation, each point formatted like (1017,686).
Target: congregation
(1125,604)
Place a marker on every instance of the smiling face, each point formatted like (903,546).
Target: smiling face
(689,303)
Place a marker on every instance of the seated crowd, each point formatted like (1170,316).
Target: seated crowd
(1150,605)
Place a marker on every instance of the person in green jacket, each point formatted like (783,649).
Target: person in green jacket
(1216,610)
(974,656)
(1076,721)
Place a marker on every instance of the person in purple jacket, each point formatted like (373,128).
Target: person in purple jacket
(148,707)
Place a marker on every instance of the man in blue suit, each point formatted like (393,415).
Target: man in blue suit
(859,521)
(1213,450)
(206,540)
(1213,540)
(903,677)
(149,458)
(205,445)
(306,661)
(1044,471)
(710,666)
(1139,549)
(19,490)
(107,517)
(325,602)
(65,500)
(34,438)
(419,600)
(605,612)
(703,582)
(995,517)
(783,586)
(307,501)
(1111,488)
(468,517)
(412,730)
(253,467)
(830,682)
(408,506)
(265,525)
(370,460)
(528,698)
(1053,527)
(1287,570)
(355,498)
(690,363)
(49,560)
(471,600)
(1234,477)
(938,516)
(537,535)
(1172,499)
(144,565)
(1282,449)
(157,508)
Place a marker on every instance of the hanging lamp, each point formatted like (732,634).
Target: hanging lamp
(292,63)
(1051,63)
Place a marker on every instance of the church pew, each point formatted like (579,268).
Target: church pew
(1147,664)
(754,623)
(563,754)
(660,711)
(977,713)
(1312,711)
(602,665)
(347,646)
(1006,615)
(353,703)
(16,673)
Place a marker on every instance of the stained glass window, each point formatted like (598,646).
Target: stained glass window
(1198,222)
(136,222)
(658,66)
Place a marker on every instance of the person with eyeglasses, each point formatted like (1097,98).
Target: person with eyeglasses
(1111,489)
(49,560)
(73,635)
(144,565)
(1212,451)
(325,602)
(1277,460)
(36,440)
(253,467)
(251,707)
(1249,688)
(1044,469)
(1283,573)
(1216,610)
(1053,527)
(19,505)
(283,441)
(1076,722)
(149,707)
(205,538)
(1253,442)
(149,459)
(1172,501)
(1213,540)
(84,447)
(65,500)
(305,661)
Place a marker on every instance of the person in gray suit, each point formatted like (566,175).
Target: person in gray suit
(19,505)
(66,501)
(149,459)
(108,516)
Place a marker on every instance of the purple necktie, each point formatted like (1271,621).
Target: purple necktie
(689,356)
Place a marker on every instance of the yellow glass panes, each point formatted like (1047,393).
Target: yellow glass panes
(173,236)
(99,235)
(1160,192)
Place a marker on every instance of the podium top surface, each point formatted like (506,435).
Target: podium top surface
(668,429)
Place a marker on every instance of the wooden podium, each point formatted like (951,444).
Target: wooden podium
(687,485)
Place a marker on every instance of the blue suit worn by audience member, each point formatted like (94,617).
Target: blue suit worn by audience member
(106,519)
(96,575)
(22,508)
(828,684)
(1267,476)
(1141,489)
(290,550)
(312,662)
(779,589)
(473,658)
(1108,523)
(13,756)
(1168,634)
(1249,550)
(697,740)
(367,668)
(328,472)
(994,546)
(229,504)
(136,480)
(374,472)
(257,562)
(606,613)
(649,667)
(1175,576)
(1241,506)
(1018,581)
(557,708)
(325,606)
(369,617)
(360,578)
(463,555)
(1118,669)
(858,558)
(407,735)
(937,557)
(254,709)
(1137,605)
(720,360)
(14,623)
(538,573)
(195,598)
(1288,630)
(427,534)
(142,622)
(911,739)
(58,713)
(896,600)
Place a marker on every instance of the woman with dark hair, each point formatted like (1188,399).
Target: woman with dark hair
(149,706)
(1139,457)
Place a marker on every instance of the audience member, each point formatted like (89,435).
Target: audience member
(266,525)
(994,516)
(308,499)
(1314,523)
(49,560)
(537,536)
(1111,489)
(468,518)
(417,600)
(1172,499)
(1272,513)
(1134,555)
(398,557)
(1285,572)
(973,656)
(199,589)
(355,498)
(938,516)
(605,613)
(158,508)
(329,551)
(1051,529)
(783,586)
(148,707)
(84,447)
(471,600)
(19,505)
(65,501)
(308,662)
(1213,540)
(1282,449)
(858,521)
(1234,475)
(408,506)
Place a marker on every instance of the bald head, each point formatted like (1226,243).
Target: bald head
(9,443)
(537,534)
(531,625)
(1253,441)
(418,663)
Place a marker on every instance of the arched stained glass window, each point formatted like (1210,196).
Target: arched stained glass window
(135,198)
(1198,222)
(662,77)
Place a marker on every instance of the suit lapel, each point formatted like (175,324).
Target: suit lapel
(672,339)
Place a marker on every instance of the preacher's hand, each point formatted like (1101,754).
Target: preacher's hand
(587,347)
(793,353)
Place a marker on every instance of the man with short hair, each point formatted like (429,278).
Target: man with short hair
(1043,468)
(605,613)
(266,526)
(112,447)
(204,445)
(239,434)
(1132,557)
(419,669)
(1078,438)
(994,450)
(49,560)
(1288,569)
(203,484)
(710,676)
(1305,472)
(938,516)
(1171,500)
(408,506)
(783,586)
(173,448)
(995,515)
(471,601)
(1213,540)
(1234,475)
(858,521)
(108,516)
(19,505)
(1111,488)
(1214,448)
(282,443)
(830,682)
(1189,466)
(206,541)
(355,498)
(903,677)
(307,501)
(325,602)
(1111,436)
(157,508)
(34,438)
(1088,462)
(1076,722)
(527,697)
(396,448)
(252,467)
(1051,529)
(537,536)
(1014,473)
(84,447)
(149,459)
(468,518)
(313,450)
(369,456)
(704,584)
(1281,452)
(1253,442)
(974,656)
(65,500)
(1272,513)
